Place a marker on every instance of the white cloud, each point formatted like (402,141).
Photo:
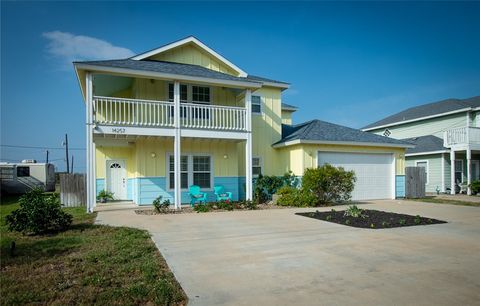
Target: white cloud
(70,47)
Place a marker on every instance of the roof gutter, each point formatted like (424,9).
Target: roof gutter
(325,142)
(427,153)
(161,75)
(418,119)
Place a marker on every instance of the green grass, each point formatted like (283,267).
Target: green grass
(445,201)
(87,264)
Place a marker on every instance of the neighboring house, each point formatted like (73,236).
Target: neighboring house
(183,115)
(446,135)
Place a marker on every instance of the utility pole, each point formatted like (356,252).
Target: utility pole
(66,153)
(72,164)
(47,158)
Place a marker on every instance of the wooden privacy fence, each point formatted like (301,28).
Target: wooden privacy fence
(415,180)
(73,190)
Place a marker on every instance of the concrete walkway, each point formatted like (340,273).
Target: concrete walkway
(274,257)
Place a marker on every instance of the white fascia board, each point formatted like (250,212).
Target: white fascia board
(418,119)
(132,130)
(167,76)
(289,109)
(278,85)
(213,134)
(350,143)
(427,153)
(79,82)
(194,40)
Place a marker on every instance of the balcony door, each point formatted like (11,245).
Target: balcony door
(117,179)
(475,170)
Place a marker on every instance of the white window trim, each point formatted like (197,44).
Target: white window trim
(260,159)
(190,93)
(463,173)
(189,170)
(427,169)
(261,106)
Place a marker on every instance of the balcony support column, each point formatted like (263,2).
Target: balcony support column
(452,171)
(469,171)
(90,147)
(177,148)
(248,147)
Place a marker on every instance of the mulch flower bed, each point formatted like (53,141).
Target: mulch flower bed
(188,210)
(373,219)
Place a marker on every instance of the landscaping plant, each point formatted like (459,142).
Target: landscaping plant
(329,184)
(103,196)
(161,207)
(38,214)
(265,186)
(475,186)
(292,196)
(354,211)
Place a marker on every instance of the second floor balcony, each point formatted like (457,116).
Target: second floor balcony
(124,112)
(462,137)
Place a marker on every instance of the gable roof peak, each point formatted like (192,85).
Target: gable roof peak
(199,44)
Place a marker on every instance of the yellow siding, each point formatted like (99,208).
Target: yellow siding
(191,54)
(104,153)
(302,156)
(267,129)
(286,117)
(147,157)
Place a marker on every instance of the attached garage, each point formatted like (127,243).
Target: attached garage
(375,172)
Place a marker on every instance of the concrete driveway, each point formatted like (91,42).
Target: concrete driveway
(275,257)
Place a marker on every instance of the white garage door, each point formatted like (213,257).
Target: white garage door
(374,173)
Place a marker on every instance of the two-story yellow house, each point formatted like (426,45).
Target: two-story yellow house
(183,115)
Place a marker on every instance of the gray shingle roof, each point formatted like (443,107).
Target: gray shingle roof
(317,130)
(288,107)
(430,109)
(175,68)
(424,144)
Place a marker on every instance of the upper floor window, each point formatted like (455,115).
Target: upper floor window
(256,105)
(200,94)
(183,92)
(191,93)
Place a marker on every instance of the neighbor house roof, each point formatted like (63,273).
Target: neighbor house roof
(288,107)
(426,111)
(425,144)
(317,131)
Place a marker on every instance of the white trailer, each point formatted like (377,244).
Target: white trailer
(17,178)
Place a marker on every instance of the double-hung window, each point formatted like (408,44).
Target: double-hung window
(256,105)
(458,171)
(195,170)
(256,166)
(200,94)
(183,92)
(183,171)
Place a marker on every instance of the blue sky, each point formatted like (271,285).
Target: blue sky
(348,63)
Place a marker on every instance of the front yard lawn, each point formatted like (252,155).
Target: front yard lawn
(87,264)
(445,201)
(373,219)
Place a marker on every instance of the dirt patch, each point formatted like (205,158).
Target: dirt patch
(373,219)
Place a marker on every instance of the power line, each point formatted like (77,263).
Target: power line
(43,148)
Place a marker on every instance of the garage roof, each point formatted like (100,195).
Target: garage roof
(317,131)
(425,144)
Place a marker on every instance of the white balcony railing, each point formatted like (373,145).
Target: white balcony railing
(149,113)
(461,136)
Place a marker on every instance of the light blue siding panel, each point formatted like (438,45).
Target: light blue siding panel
(100,185)
(400,186)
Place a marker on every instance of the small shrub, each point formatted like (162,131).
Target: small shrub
(475,186)
(385,224)
(104,195)
(291,196)
(251,205)
(224,204)
(329,184)
(354,211)
(328,218)
(38,214)
(372,225)
(417,219)
(402,221)
(265,186)
(161,207)
(201,208)
(347,221)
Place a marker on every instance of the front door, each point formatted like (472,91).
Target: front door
(117,179)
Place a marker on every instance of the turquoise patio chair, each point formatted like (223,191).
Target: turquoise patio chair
(221,194)
(196,195)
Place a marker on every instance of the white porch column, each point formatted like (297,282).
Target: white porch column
(176,143)
(452,171)
(469,171)
(90,158)
(442,187)
(248,146)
